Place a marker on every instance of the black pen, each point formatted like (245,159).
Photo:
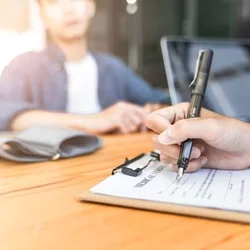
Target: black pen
(198,85)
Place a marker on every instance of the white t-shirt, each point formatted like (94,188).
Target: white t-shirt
(83,86)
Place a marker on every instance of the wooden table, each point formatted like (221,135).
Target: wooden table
(38,209)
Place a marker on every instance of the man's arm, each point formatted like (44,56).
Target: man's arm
(13,92)
(121,117)
(40,117)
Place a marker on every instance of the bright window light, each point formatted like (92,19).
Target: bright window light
(131,1)
(132,8)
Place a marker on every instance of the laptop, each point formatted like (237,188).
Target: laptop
(228,90)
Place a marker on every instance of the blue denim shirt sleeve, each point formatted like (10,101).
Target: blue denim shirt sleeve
(13,95)
(141,92)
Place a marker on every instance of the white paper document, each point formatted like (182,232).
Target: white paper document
(229,190)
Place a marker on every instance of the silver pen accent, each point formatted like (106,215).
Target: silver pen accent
(197,67)
(179,174)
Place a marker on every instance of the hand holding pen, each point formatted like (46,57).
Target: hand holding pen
(222,142)
(198,86)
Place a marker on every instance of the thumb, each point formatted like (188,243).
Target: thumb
(195,128)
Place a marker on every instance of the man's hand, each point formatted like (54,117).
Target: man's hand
(122,117)
(220,142)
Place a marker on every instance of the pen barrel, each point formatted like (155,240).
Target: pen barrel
(200,84)
(195,106)
(198,93)
(207,57)
(203,73)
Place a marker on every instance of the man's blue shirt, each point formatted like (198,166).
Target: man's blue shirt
(38,80)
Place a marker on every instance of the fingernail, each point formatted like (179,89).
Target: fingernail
(204,160)
(202,148)
(166,137)
(195,153)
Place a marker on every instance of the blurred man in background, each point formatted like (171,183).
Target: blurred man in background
(68,85)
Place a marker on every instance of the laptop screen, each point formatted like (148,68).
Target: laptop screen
(228,90)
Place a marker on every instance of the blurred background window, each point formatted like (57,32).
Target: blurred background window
(130,29)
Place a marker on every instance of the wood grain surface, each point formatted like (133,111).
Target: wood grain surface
(39,209)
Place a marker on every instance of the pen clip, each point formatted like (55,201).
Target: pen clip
(197,68)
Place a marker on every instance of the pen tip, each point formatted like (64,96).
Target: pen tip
(179,174)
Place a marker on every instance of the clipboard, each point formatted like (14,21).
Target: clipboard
(163,207)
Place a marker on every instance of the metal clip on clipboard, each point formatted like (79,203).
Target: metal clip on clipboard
(127,170)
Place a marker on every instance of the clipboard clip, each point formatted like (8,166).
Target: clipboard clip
(126,170)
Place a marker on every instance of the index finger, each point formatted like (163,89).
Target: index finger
(157,122)
(162,119)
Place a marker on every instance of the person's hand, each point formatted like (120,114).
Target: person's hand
(220,142)
(122,118)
